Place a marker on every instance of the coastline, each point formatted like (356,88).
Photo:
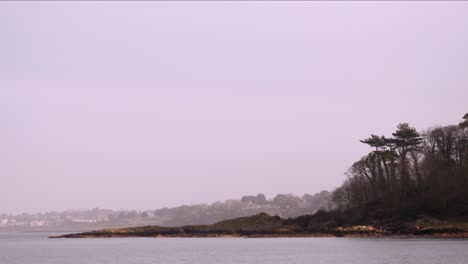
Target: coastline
(266,226)
(463,235)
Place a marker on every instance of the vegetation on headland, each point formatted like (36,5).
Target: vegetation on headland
(408,174)
(410,184)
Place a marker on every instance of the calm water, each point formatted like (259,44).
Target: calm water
(36,249)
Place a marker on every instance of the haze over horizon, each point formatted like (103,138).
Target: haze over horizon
(156,104)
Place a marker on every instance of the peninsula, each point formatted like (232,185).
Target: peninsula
(264,225)
(410,184)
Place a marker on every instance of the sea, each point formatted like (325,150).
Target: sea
(38,249)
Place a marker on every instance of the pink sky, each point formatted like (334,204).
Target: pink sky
(151,104)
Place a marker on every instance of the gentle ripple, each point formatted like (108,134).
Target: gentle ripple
(37,249)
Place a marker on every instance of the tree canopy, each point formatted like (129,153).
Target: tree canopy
(410,172)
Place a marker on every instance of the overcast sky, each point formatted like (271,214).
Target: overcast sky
(152,104)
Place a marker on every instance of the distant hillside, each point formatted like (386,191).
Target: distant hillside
(283,205)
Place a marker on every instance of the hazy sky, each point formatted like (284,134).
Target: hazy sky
(151,104)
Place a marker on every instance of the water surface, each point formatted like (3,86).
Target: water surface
(37,249)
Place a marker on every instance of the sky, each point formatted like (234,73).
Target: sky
(142,105)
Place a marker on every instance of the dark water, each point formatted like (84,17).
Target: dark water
(36,249)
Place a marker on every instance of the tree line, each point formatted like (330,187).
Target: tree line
(410,172)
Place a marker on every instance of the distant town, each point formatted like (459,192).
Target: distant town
(283,205)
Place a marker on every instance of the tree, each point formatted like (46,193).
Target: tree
(464,123)
(384,155)
(409,171)
(405,139)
